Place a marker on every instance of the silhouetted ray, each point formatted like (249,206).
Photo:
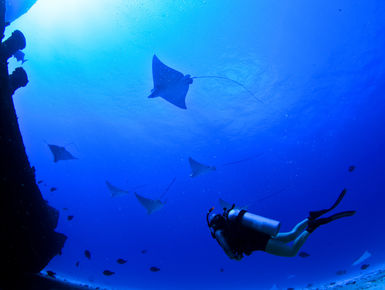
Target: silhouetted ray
(199,168)
(169,84)
(173,85)
(60,153)
(115,191)
(149,204)
(152,205)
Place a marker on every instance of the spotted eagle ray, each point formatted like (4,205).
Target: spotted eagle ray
(149,204)
(152,205)
(60,153)
(173,85)
(115,191)
(198,168)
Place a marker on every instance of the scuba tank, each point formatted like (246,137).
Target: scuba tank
(253,221)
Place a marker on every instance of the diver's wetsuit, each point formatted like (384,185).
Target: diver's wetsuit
(241,239)
(249,240)
(237,239)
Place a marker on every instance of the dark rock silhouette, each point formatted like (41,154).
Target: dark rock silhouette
(28,240)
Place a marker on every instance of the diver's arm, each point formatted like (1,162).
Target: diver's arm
(225,246)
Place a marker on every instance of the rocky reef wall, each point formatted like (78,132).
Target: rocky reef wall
(28,240)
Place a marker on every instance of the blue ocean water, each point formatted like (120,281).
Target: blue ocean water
(317,66)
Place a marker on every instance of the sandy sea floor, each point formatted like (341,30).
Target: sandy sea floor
(374,279)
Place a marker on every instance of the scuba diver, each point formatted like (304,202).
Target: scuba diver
(239,232)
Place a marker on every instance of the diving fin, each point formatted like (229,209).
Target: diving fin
(316,214)
(313,224)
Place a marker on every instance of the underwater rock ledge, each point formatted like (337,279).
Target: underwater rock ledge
(28,240)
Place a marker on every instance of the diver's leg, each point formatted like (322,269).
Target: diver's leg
(279,248)
(293,234)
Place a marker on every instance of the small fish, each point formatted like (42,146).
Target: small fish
(40,182)
(154,269)
(221,270)
(351,168)
(365,266)
(341,272)
(52,189)
(303,254)
(87,254)
(70,217)
(121,261)
(77,264)
(143,251)
(351,283)
(51,274)
(108,273)
(332,283)
(65,208)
